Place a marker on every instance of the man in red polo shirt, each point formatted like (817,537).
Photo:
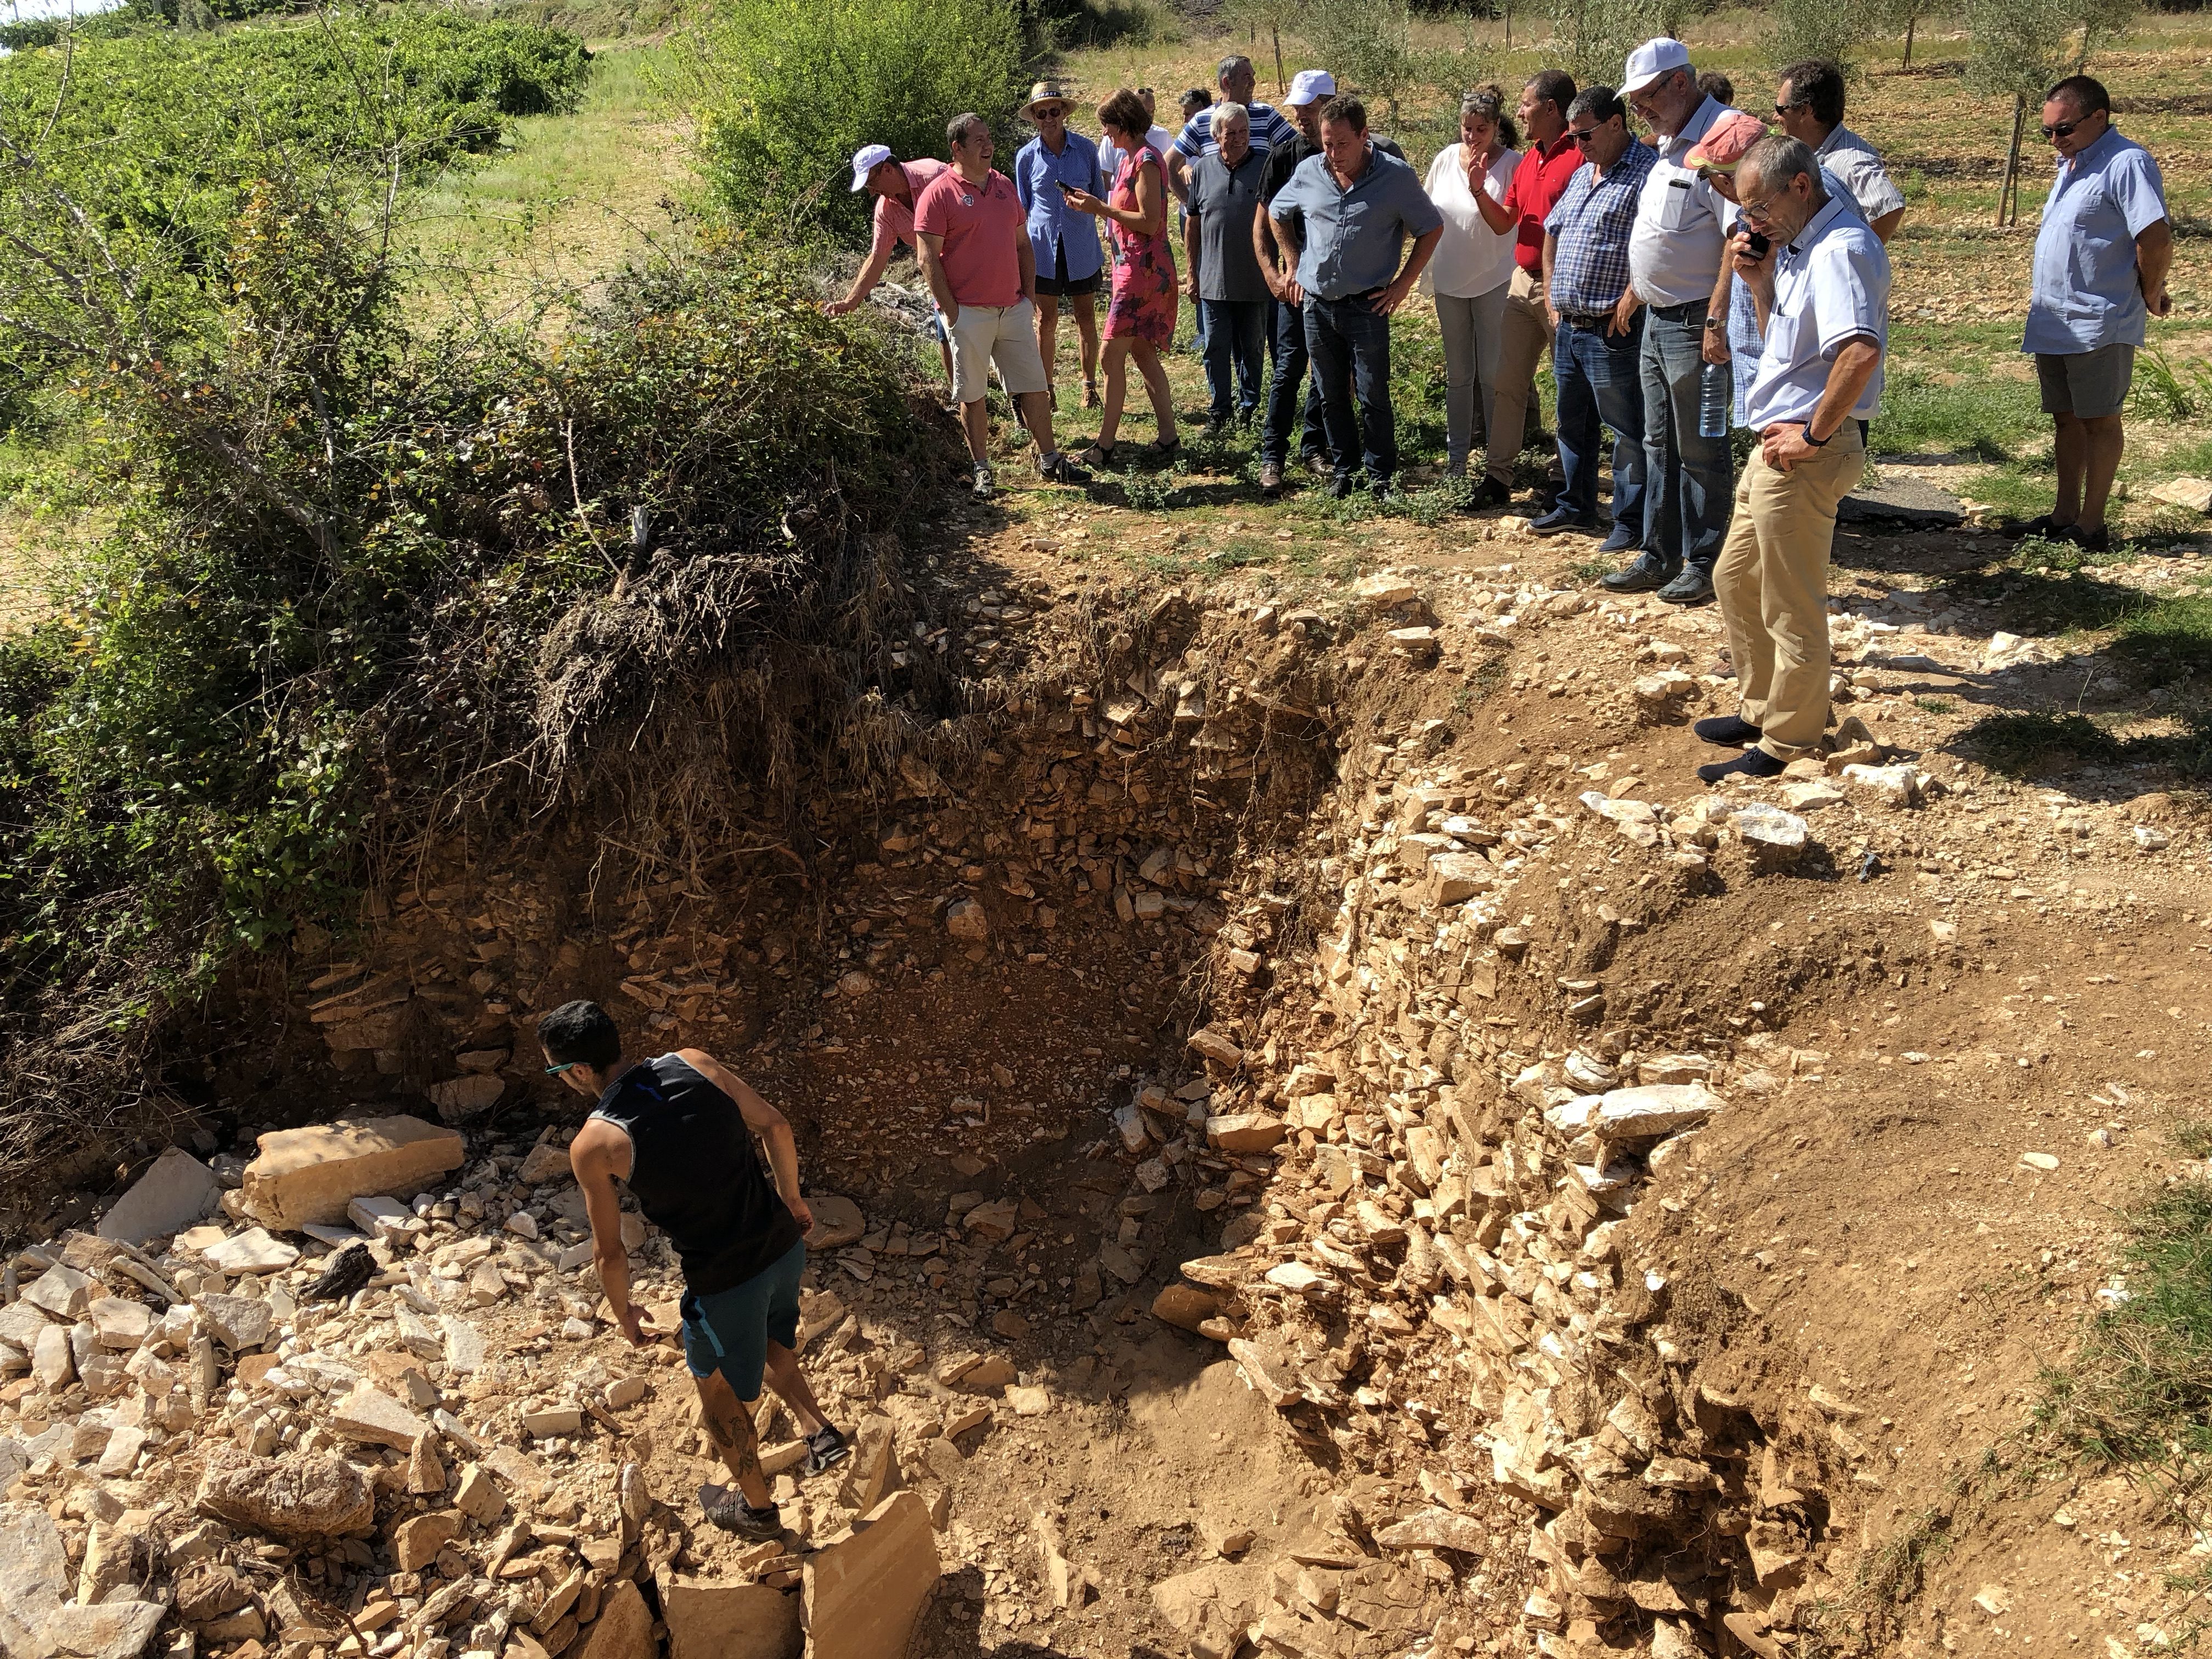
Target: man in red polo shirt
(1549,162)
(976,252)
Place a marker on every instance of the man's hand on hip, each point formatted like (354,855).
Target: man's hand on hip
(1392,297)
(1784,444)
(1624,312)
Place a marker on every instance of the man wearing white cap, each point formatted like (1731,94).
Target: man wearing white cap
(1310,90)
(897,187)
(1675,254)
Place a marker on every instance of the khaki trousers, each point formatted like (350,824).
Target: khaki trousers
(1771,580)
(1521,342)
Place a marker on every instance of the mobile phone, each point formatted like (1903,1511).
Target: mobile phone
(1759,245)
(1066,189)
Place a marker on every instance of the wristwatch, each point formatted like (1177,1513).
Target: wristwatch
(1716,322)
(1817,443)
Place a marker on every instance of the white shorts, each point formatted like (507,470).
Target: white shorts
(1005,335)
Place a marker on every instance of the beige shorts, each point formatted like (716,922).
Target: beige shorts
(1005,335)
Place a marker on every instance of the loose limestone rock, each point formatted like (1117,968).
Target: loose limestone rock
(837,1222)
(304,1496)
(863,1597)
(304,1176)
(177,1191)
(625,1627)
(730,1621)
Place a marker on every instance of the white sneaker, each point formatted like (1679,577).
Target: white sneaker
(984,487)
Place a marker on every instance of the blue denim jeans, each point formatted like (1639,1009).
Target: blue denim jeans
(1693,478)
(1289,379)
(1599,388)
(1235,342)
(1350,346)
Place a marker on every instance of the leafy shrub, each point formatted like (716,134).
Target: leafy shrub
(1800,29)
(785,90)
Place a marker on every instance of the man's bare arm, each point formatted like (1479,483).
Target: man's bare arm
(2154,259)
(600,1156)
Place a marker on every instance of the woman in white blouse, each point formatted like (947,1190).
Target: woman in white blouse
(1473,267)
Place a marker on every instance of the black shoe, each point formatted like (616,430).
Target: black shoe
(1217,426)
(1317,461)
(1061,469)
(2089,541)
(1693,584)
(1622,540)
(2041,525)
(1730,731)
(1752,764)
(1559,521)
(1489,493)
(1340,486)
(733,1514)
(826,1450)
(1647,574)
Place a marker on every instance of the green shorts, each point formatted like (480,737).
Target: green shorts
(729,1331)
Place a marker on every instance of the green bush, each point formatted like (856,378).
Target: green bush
(785,90)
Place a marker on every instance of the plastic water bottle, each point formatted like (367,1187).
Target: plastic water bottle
(1715,393)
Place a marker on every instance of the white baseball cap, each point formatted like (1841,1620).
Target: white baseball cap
(1653,61)
(865,161)
(1310,86)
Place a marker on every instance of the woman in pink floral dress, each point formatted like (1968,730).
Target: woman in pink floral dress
(1140,319)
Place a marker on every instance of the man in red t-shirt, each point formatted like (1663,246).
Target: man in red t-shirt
(1547,165)
(976,252)
(896,186)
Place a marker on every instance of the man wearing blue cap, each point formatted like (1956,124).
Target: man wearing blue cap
(896,186)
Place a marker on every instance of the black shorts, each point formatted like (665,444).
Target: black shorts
(1061,282)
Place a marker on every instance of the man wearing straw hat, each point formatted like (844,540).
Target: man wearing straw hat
(1064,243)
(896,186)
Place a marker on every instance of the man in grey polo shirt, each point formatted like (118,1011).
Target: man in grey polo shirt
(1674,263)
(1822,295)
(1343,220)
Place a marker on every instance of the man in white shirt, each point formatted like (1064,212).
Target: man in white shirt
(1673,261)
(1822,294)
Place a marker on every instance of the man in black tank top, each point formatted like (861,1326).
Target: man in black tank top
(679,1130)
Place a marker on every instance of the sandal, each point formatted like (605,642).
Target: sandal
(1166,454)
(1097,456)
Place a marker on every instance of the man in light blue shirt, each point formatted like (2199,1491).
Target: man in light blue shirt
(2101,257)
(1343,220)
(1070,263)
(1821,291)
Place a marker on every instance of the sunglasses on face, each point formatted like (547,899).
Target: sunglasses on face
(1048,112)
(2064,130)
(1582,136)
(555,1070)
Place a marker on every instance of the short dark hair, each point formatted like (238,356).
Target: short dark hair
(1231,65)
(1818,82)
(955,129)
(1197,98)
(1556,85)
(580,1032)
(1346,108)
(1125,110)
(1601,104)
(2086,92)
(1714,84)
(1778,160)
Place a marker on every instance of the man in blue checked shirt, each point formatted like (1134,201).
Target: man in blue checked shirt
(1069,260)
(1597,325)
(2101,257)
(1821,291)
(1342,220)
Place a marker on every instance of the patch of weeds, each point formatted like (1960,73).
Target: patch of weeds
(2138,1394)
(2162,392)
(2192,1138)
(1240,551)
(1151,492)
(2025,745)
(1589,569)
(1985,417)
(1935,705)
(1482,680)
(1893,1575)
(1433,506)
(2170,638)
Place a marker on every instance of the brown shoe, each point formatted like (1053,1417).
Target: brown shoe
(1271,479)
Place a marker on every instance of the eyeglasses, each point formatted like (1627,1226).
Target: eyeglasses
(1582,136)
(1757,209)
(2064,130)
(555,1070)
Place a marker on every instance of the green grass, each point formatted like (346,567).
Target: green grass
(2138,1395)
(2170,638)
(2024,745)
(1986,418)
(1935,705)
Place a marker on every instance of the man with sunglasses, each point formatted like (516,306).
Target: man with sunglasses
(1674,261)
(678,1130)
(1821,290)
(1597,328)
(2101,257)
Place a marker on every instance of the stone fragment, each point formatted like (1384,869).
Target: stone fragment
(376,1418)
(479,1497)
(53,1367)
(176,1191)
(61,1290)
(548,1161)
(415,1541)
(2191,494)
(1455,878)
(730,1621)
(1245,1131)
(862,1597)
(553,1421)
(1029,1401)
(966,918)
(461,1098)
(1893,785)
(623,1629)
(304,1496)
(995,1221)
(465,1345)
(253,1251)
(1771,827)
(1185,1306)
(241,1323)
(1209,1045)
(1266,1370)
(308,1174)
(112,1630)
(838,1222)
(378,1215)
(118,1323)
(1435,1529)
(2044,1161)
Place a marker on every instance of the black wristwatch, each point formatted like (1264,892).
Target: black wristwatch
(1817,443)
(1716,322)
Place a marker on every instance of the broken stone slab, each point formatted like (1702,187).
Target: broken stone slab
(2191,494)
(311,1174)
(175,1192)
(253,1251)
(625,1627)
(1435,1529)
(1647,1112)
(1209,1044)
(1185,1306)
(304,1496)
(1893,786)
(1455,877)
(548,1161)
(1770,827)
(378,1216)
(838,1222)
(553,1422)
(1268,1371)
(415,1541)
(61,1290)
(966,918)
(118,1323)
(241,1323)
(112,1630)
(375,1419)
(465,1345)
(461,1098)
(1245,1131)
(862,1597)
(729,1621)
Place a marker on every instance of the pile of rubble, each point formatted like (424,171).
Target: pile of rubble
(333,1423)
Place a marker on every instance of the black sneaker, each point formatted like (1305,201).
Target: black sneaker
(733,1514)
(1752,764)
(1693,586)
(1730,731)
(1646,574)
(1489,493)
(827,1449)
